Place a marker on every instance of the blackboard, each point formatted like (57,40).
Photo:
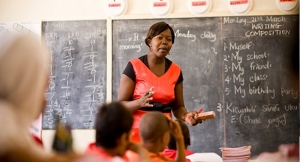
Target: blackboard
(239,67)
(77,83)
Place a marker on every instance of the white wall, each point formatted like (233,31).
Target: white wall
(28,10)
(47,10)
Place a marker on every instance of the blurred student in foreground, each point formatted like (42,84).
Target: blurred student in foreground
(113,126)
(23,81)
(171,151)
(285,153)
(155,129)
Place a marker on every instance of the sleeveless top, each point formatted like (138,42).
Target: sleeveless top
(164,91)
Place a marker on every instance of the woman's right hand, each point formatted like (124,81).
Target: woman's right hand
(146,98)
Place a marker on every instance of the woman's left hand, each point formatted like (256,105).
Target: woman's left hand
(191,118)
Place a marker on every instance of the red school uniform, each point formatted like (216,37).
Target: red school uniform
(159,157)
(172,153)
(96,151)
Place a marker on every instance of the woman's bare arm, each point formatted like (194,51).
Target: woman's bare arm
(179,109)
(125,94)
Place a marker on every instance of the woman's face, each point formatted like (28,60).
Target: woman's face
(162,43)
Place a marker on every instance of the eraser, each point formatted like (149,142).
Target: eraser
(206,115)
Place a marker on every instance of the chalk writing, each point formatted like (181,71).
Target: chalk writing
(134,38)
(270,108)
(208,35)
(231,20)
(77,73)
(275,19)
(185,35)
(246,119)
(136,47)
(258,77)
(236,110)
(258,56)
(266,26)
(256,19)
(291,107)
(256,66)
(278,121)
(238,47)
(262,90)
(289,91)
(262,33)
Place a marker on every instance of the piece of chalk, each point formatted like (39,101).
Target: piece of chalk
(200,110)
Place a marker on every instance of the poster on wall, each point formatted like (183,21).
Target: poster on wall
(33,28)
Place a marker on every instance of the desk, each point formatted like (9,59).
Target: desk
(205,157)
(208,157)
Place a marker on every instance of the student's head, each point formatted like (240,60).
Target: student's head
(24,65)
(154,129)
(113,126)
(157,29)
(186,136)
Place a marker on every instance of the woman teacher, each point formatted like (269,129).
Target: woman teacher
(152,82)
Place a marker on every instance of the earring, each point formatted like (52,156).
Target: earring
(151,49)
